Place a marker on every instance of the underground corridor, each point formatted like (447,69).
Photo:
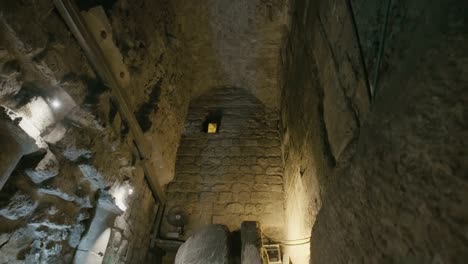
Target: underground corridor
(233,132)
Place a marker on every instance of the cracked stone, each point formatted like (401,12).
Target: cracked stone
(47,168)
(20,206)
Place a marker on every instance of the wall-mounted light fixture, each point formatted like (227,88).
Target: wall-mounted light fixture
(212,128)
(212,122)
(55,103)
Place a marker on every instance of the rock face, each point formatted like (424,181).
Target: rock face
(387,185)
(209,245)
(45,205)
(21,205)
(47,168)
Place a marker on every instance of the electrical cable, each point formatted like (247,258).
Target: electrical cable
(286,241)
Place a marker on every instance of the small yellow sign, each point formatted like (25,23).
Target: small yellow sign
(212,128)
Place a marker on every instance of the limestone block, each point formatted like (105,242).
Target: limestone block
(92,175)
(257,169)
(276,188)
(123,248)
(242,197)
(261,187)
(235,208)
(238,187)
(260,196)
(209,245)
(273,152)
(20,205)
(75,235)
(244,169)
(176,196)
(224,197)
(220,187)
(192,197)
(250,208)
(221,219)
(47,168)
(73,154)
(207,197)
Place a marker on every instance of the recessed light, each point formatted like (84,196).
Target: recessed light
(212,128)
(55,103)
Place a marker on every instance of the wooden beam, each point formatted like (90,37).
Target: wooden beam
(71,14)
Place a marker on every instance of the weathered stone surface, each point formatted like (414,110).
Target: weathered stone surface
(47,168)
(225,167)
(397,191)
(73,154)
(20,205)
(92,175)
(43,72)
(209,245)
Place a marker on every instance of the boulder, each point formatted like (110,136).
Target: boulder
(209,245)
(47,168)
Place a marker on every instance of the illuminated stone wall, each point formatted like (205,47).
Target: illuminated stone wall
(235,174)
(49,202)
(324,98)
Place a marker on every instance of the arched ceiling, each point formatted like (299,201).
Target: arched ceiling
(233,43)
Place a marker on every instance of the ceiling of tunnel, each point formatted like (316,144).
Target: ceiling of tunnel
(233,43)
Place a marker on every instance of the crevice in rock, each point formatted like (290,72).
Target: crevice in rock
(144,112)
(6,242)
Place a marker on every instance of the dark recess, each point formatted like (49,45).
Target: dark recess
(144,112)
(213,117)
(87,4)
(95,89)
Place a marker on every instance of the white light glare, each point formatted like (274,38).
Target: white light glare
(55,103)
(130,191)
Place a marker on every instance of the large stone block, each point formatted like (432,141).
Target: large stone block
(251,243)
(209,245)
(47,168)
(207,197)
(235,208)
(238,187)
(225,197)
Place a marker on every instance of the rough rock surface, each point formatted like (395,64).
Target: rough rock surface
(87,151)
(20,205)
(395,193)
(208,245)
(47,168)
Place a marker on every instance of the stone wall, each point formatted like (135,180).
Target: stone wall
(405,190)
(149,38)
(324,99)
(381,184)
(233,175)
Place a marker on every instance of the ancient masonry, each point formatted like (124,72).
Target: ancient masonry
(233,175)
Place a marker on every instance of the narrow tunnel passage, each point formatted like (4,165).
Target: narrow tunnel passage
(221,132)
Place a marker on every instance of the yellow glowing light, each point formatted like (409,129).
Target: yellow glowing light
(212,128)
